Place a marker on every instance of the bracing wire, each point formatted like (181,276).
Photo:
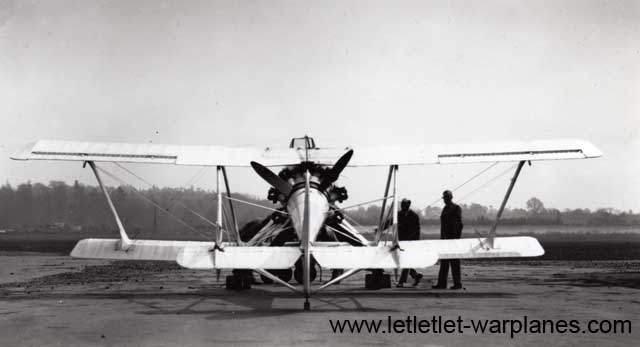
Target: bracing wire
(362,203)
(176,218)
(343,234)
(465,182)
(177,202)
(351,219)
(228,227)
(489,182)
(256,205)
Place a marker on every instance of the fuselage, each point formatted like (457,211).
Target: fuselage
(318,208)
(307,191)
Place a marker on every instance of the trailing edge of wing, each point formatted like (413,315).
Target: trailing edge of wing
(378,257)
(514,246)
(137,153)
(474,153)
(140,249)
(170,154)
(201,257)
(425,253)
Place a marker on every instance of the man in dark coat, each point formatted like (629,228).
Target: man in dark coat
(450,228)
(408,229)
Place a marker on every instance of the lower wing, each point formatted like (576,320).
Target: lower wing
(190,254)
(503,247)
(410,254)
(425,253)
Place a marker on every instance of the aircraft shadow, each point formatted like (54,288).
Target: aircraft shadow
(255,304)
(263,303)
(219,304)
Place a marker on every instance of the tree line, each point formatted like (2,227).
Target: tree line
(36,206)
(535,213)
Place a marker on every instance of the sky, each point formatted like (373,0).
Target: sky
(347,73)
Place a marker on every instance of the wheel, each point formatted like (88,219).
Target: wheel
(335,273)
(246,281)
(283,274)
(369,282)
(265,279)
(233,283)
(377,279)
(297,273)
(385,281)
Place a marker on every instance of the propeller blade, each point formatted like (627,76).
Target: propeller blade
(335,171)
(274,180)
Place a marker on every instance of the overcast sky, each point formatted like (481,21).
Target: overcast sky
(343,72)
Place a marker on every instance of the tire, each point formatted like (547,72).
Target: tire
(369,282)
(283,274)
(297,273)
(233,283)
(245,282)
(377,280)
(265,279)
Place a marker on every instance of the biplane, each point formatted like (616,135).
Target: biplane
(308,229)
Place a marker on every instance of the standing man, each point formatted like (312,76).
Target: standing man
(408,230)
(450,228)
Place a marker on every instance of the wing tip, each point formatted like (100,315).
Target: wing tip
(590,150)
(24,153)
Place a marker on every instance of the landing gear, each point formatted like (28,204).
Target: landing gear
(298,273)
(335,273)
(240,280)
(307,305)
(284,275)
(377,279)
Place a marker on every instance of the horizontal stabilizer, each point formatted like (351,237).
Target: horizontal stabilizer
(140,249)
(517,246)
(202,257)
(377,257)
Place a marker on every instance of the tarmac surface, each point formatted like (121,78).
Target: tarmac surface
(52,300)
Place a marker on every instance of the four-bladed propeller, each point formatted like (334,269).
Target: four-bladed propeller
(333,173)
(274,180)
(284,187)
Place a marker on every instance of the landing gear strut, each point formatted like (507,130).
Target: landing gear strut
(284,274)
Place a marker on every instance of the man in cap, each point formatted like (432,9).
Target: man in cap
(450,228)
(408,229)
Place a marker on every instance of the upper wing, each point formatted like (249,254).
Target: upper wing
(381,155)
(155,153)
(474,153)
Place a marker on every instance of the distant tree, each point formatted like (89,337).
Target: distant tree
(474,211)
(58,197)
(432,212)
(77,213)
(23,204)
(34,206)
(535,206)
(6,205)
